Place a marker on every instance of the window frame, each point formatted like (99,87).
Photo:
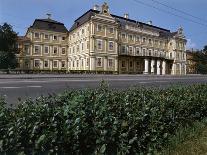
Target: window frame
(101,62)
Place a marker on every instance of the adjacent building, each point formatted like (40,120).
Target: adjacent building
(99,41)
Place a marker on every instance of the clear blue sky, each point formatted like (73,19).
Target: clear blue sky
(21,14)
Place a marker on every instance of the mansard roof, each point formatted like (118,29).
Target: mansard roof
(123,21)
(49,25)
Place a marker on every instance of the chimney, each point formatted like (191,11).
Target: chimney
(48,15)
(96,7)
(149,22)
(126,15)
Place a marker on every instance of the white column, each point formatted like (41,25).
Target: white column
(116,64)
(105,64)
(158,67)
(146,66)
(92,63)
(152,66)
(163,67)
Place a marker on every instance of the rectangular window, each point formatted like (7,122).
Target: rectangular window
(46,63)
(77,62)
(130,50)
(46,36)
(37,35)
(37,63)
(82,63)
(99,44)
(123,49)
(111,45)
(73,49)
(63,38)
(144,52)
(150,41)
(54,50)
(99,28)
(77,48)
(54,37)
(130,64)
(110,62)
(46,49)
(123,64)
(70,51)
(83,31)
(63,64)
(144,40)
(123,36)
(99,62)
(55,63)
(150,52)
(137,51)
(37,49)
(63,51)
(82,46)
(26,49)
(111,30)
(131,37)
(87,62)
(137,38)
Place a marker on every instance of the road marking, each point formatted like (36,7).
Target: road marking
(10,87)
(34,86)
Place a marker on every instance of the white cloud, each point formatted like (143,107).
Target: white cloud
(190,44)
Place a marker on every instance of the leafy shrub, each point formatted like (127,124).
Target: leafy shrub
(101,121)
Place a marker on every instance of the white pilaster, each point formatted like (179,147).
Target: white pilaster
(105,64)
(158,67)
(152,66)
(116,64)
(163,67)
(92,63)
(146,66)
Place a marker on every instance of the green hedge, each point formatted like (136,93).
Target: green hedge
(101,121)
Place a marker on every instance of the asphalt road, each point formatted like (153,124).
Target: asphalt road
(14,87)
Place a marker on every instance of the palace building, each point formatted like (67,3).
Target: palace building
(99,41)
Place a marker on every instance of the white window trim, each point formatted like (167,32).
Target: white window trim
(48,63)
(35,36)
(97,40)
(132,49)
(54,48)
(62,50)
(39,63)
(54,63)
(47,35)
(88,62)
(132,37)
(98,26)
(48,50)
(110,31)
(62,63)
(39,47)
(109,45)
(56,36)
(112,62)
(101,62)
(62,38)
(139,50)
(123,34)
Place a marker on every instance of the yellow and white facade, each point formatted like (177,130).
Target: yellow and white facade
(101,42)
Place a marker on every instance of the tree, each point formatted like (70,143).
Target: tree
(205,49)
(8,48)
